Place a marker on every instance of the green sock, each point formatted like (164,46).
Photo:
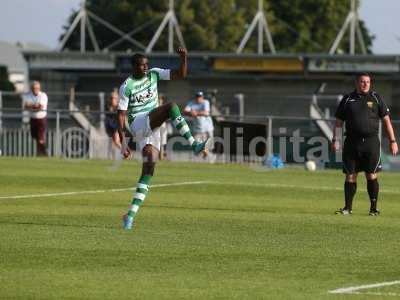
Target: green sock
(180,124)
(142,189)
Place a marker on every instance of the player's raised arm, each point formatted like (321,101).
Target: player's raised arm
(182,71)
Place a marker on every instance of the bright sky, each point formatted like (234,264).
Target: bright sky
(26,20)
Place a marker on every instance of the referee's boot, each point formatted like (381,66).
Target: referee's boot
(374,212)
(343,211)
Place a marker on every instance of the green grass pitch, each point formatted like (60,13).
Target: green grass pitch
(243,234)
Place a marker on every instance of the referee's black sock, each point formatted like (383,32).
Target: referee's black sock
(350,189)
(373,190)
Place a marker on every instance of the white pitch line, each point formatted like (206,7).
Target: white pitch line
(98,191)
(266,185)
(281,185)
(292,186)
(355,289)
(375,294)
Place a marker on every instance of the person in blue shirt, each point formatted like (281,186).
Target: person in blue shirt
(199,110)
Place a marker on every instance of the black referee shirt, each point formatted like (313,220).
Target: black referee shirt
(361,113)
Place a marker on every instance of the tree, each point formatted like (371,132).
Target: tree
(211,25)
(123,14)
(312,26)
(249,9)
(206,25)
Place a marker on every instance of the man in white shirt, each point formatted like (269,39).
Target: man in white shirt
(36,102)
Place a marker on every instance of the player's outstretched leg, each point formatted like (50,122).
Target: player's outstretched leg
(171,111)
(180,124)
(142,188)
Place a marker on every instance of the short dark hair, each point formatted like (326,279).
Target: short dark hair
(136,57)
(358,75)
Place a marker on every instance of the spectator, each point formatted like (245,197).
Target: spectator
(111,122)
(199,110)
(36,102)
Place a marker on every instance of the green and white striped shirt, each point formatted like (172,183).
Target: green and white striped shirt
(139,96)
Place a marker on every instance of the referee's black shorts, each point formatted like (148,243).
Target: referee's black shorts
(362,155)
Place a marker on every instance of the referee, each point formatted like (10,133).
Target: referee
(361,111)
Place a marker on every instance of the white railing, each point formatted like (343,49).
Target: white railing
(18,142)
(72,142)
